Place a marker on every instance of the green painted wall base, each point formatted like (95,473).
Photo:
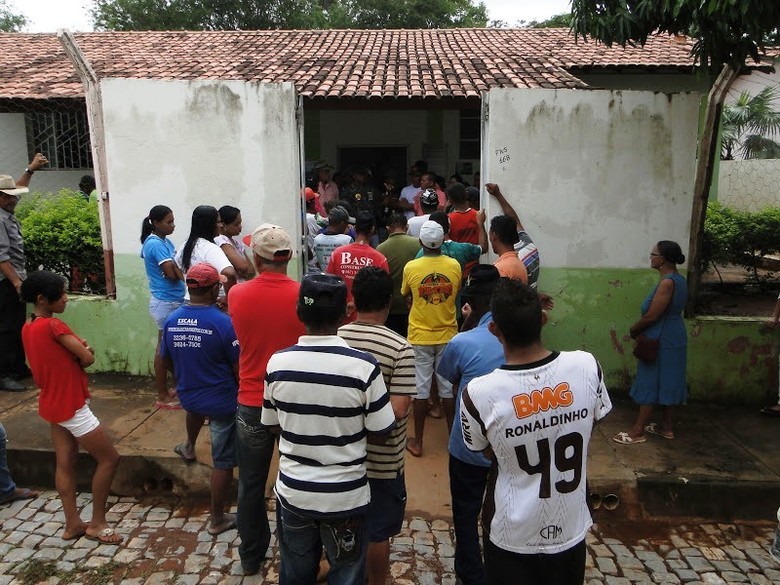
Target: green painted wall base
(730,360)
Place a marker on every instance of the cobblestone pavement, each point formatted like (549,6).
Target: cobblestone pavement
(165,544)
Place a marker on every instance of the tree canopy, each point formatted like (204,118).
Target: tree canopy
(285,14)
(749,124)
(727,31)
(11,21)
(557,21)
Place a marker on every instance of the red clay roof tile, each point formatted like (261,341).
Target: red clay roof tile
(331,63)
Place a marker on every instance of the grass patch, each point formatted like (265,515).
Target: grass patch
(35,571)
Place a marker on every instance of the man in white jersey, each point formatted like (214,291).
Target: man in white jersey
(325,398)
(534,416)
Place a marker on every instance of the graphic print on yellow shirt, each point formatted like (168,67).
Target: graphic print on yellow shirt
(433,282)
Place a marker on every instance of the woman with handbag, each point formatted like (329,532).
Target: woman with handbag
(661,348)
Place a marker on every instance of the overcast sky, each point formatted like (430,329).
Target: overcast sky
(50,15)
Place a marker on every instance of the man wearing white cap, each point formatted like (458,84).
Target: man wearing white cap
(432,283)
(12,273)
(264,317)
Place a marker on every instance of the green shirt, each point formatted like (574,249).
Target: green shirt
(462,252)
(399,248)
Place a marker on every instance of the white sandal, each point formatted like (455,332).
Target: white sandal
(626,439)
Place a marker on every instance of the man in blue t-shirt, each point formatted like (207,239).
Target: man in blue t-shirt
(200,346)
(469,354)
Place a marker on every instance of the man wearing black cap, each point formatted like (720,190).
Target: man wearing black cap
(325,398)
(471,353)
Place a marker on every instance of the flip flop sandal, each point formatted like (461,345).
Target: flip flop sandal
(175,405)
(104,536)
(230,523)
(626,439)
(179,450)
(769,411)
(654,429)
(413,447)
(19,494)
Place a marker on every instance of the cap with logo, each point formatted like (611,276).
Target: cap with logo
(430,198)
(203,275)
(481,281)
(322,292)
(271,242)
(431,234)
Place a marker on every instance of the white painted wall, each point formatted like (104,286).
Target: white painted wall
(13,158)
(597,176)
(749,185)
(190,143)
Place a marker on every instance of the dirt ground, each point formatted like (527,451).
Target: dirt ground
(725,292)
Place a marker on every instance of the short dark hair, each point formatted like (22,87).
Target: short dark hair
(457,193)
(505,229)
(421,166)
(671,251)
(517,312)
(43,282)
(365,222)
(372,289)
(228,213)
(442,219)
(397,219)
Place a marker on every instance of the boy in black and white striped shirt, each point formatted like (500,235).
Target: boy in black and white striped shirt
(326,398)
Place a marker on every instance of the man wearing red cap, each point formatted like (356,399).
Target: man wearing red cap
(199,344)
(263,312)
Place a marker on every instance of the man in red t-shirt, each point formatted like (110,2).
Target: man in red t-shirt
(265,321)
(463,219)
(347,260)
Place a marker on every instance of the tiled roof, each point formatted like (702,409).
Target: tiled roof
(331,63)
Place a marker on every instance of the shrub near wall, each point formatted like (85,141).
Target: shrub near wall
(740,237)
(62,234)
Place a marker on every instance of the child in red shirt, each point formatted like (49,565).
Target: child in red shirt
(57,359)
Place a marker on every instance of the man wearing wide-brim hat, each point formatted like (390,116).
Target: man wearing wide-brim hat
(12,273)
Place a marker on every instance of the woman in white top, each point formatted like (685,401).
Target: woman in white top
(231,244)
(200,246)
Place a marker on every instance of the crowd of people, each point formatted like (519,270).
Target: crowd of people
(394,319)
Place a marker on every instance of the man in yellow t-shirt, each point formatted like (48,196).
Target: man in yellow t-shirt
(431,283)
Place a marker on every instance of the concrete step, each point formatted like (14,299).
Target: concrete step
(723,464)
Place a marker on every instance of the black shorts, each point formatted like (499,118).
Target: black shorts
(386,511)
(504,567)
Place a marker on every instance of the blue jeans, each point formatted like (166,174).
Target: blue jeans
(467,486)
(302,539)
(255,449)
(7,485)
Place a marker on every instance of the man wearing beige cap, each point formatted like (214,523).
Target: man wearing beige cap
(12,273)
(264,317)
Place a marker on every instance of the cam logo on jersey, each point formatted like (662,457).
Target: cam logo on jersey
(542,400)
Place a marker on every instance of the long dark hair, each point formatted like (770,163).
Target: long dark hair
(204,225)
(157,213)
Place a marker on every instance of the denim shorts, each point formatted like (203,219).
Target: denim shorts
(386,510)
(223,442)
(161,310)
(426,362)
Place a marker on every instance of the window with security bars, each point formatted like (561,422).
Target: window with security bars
(63,136)
(470,134)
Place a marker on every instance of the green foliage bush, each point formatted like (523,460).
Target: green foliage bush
(739,237)
(62,234)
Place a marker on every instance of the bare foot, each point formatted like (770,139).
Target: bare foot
(414,447)
(76,532)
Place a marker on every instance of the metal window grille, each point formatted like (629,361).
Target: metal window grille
(63,135)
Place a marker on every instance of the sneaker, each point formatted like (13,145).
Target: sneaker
(10,385)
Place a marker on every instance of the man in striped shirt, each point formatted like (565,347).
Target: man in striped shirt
(372,290)
(325,398)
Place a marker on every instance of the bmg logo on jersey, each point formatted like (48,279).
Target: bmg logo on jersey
(542,400)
